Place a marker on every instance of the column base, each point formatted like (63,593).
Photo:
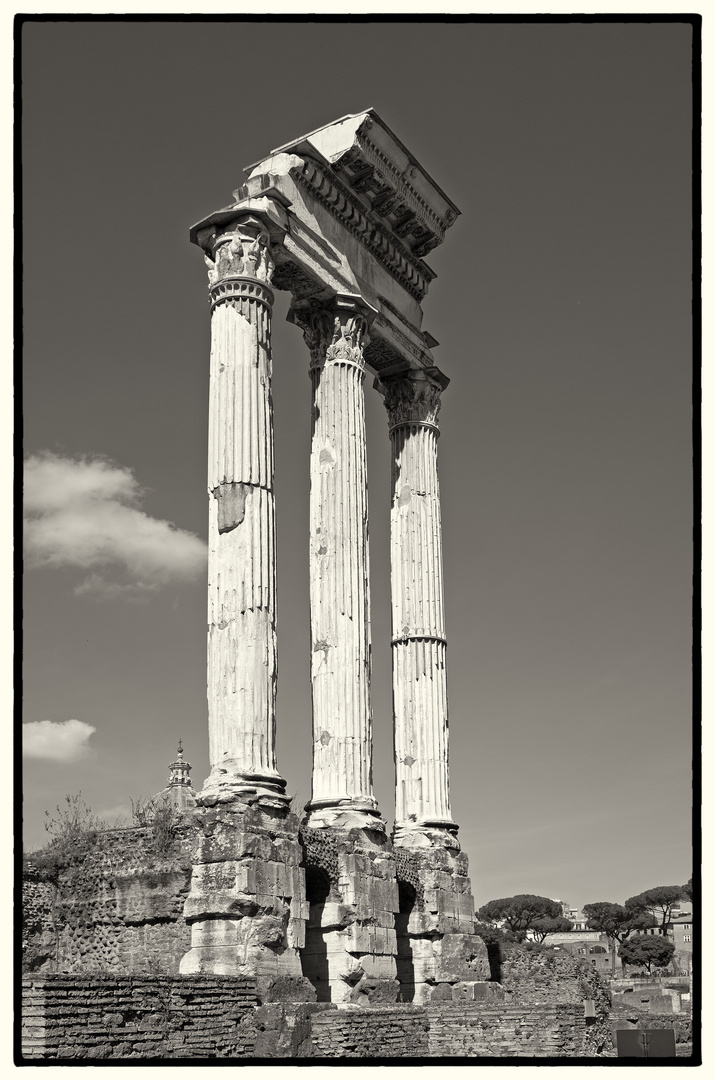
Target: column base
(246,904)
(344,813)
(350,948)
(436,833)
(224,784)
(437,949)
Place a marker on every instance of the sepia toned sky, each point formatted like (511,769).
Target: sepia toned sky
(563,310)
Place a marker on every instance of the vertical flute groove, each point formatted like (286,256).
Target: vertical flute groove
(241,646)
(339,570)
(419,646)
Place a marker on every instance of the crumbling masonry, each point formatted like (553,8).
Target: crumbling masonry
(341,218)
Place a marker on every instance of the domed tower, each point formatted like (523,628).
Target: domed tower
(179,793)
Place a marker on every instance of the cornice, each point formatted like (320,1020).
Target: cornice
(421,355)
(337,198)
(403,188)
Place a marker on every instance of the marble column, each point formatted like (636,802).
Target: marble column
(419,645)
(246,904)
(339,569)
(242,659)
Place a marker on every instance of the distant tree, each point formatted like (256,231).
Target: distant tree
(688,890)
(660,901)
(645,950)
(616,922)
(541,928)
(520,913)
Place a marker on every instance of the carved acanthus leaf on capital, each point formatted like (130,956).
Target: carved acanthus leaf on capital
(331,334)
(243,250)
(349,336)
(411,398)
(317,324)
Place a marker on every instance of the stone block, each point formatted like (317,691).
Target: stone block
(283,988)
(462,958)
(295,934)
(374,991)
(361,938)
(336,916)
(378,967)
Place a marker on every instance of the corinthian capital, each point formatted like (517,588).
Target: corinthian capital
(241,250)
(317,324)
(333,330)
(412,397)
(349,334)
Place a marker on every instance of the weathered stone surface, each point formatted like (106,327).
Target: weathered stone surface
(181,1018)
(120,911)
(242,659)
(351,945)
(247,904)
(362,214)
(339,603)
(149,1017)
(419,673)
(462,958)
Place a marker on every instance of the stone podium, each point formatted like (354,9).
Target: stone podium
(342,219)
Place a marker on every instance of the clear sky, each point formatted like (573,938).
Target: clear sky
(562,308)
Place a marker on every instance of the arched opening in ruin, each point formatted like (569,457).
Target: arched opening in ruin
(314,956)
(405,963)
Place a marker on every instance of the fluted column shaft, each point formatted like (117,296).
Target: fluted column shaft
(242,657)
(339,568)
(419,673)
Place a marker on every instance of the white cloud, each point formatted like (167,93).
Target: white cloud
(85,513)
(46,740)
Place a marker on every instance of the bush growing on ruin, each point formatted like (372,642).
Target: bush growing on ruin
(163,821)
(73,831)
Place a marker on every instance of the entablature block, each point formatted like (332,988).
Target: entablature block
(349,210)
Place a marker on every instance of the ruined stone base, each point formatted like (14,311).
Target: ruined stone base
(439,958)
(350,948)
(246,906)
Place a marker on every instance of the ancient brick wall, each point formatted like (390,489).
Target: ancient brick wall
(150,1018)
(476,1030)
(451,1030)
(138,1017)
(377,1031)
(535,975)
(121,911)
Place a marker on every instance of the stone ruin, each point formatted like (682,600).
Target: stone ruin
(342,218)
(289,925)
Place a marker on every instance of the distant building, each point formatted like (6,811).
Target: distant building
(179,793)
(574,915)
(586,944)
(680,932)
